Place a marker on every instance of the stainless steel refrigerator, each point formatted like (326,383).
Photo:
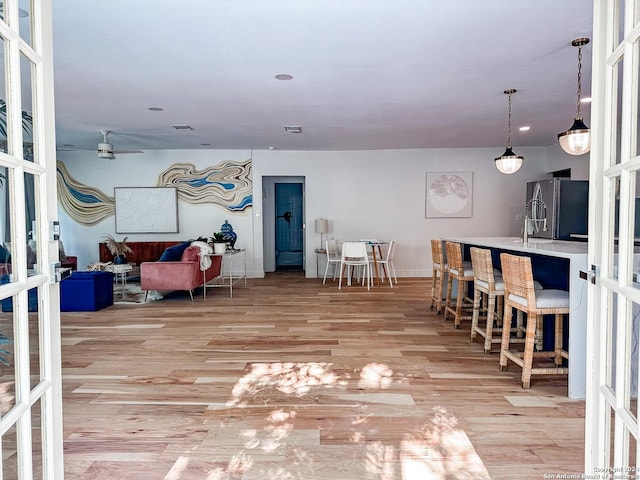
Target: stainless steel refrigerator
(560,204)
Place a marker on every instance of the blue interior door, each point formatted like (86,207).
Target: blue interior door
(288,230)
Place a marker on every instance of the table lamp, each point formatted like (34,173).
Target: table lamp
(322,227)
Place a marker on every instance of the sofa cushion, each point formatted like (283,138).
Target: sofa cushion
(174,253)
(191,254)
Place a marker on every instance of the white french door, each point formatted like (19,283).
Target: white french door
(611,426)
(30,366)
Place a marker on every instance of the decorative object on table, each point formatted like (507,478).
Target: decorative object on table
(577,140)
(449,194)
(509,162)
(228,234)
(118,249)
(219,243)
(322,227)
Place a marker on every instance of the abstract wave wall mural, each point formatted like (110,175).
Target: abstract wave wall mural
(227,184)
(86,205)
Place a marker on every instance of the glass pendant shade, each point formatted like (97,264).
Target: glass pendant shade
(576,140)
(509,162)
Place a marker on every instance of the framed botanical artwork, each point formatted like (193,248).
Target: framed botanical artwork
(449,194)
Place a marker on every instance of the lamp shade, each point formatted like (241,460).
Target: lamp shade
(509,162)
(576,140)
(322,225)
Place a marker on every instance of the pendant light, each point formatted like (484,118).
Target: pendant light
(577,140)
(509,162)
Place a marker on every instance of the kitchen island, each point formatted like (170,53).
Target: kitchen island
(556,264)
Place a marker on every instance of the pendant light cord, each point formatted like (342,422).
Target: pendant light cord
(578,113)
(509,124)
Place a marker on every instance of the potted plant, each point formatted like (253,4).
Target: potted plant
(118,249)
(219,243)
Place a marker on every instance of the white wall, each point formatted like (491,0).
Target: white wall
(364,194)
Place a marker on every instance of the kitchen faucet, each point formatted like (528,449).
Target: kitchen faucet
(532,222)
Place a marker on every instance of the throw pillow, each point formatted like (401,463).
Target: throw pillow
(174,253)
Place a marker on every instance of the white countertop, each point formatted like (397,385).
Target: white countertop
(541,246)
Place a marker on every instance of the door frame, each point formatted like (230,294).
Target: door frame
(269,219)
(28,86)
(611,420)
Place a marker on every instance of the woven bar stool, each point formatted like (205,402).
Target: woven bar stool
(487,284)
(520,293)
(462,272)
(439,270)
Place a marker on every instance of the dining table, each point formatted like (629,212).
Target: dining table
(376,251)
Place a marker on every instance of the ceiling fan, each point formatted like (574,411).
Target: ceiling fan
(105,149)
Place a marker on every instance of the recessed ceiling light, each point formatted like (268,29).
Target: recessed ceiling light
(182,127)
(292,129)
(526,128)
(155,109)
(271,147)
(284,76)
(585,100)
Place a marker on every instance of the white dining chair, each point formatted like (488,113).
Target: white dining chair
(388,270)
(354,254)
(333,258)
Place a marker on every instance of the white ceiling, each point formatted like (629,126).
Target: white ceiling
(368,74)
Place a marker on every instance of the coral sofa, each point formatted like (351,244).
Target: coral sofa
(185,274)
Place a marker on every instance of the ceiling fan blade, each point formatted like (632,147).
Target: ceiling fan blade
(127,151)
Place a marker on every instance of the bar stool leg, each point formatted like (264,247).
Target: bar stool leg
(476,313)
(491,306)
(506,333)
(529,341)
(447,302)
(558,340)
(539,334)
(462,288)
(439,291)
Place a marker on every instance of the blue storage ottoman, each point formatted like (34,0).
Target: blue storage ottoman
(86,291)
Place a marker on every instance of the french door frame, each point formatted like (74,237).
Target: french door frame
(35,412)
(611,419)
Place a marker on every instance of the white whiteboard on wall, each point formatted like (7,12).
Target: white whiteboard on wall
(146,210)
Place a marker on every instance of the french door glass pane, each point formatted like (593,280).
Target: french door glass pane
(611,340)
(36,439)
(35,337)
(613,227)
(7,360)
(619,23)
(3,96)
(30,202)
(10,454)
(25,16)
(616,138)
(631,373)
(27,108)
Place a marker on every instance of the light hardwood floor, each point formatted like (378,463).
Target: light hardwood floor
(292,379)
